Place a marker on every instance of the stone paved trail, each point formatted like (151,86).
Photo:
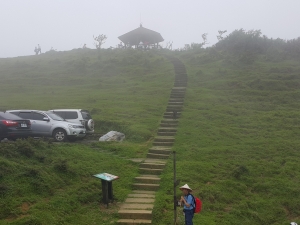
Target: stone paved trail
(137,208)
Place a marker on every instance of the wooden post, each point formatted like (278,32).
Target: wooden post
(110,191)
(105,191)
(175,200)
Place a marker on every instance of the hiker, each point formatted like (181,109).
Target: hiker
(84,46)
(188,204)
(36,50)
(39,49)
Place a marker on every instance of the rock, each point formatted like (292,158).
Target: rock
(112,136)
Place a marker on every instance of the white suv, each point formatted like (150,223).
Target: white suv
(77,116)
(48,124)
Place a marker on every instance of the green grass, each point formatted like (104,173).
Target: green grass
(237,142)
(124,89)
(48,183)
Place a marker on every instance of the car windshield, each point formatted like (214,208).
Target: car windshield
(55,116)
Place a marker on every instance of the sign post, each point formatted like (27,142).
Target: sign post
(107,189)
(175,200)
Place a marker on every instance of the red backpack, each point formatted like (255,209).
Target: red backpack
(197,205)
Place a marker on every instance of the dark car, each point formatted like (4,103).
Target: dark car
(13,127)
(48,124)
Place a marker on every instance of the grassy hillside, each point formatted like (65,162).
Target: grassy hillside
(126,88)
(238,140)
(237,143)
(45,183)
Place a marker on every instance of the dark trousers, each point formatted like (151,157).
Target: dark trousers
(188,214)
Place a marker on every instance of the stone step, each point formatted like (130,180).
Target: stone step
(141,196)
(177,94)
(164,151)
(157,156)
(147,180)
(172,113)
(133,222)
(164,139)
(180,82)
(180,79)
(167,129)
(166,133)
(178,97)
(178,90)
(139,200)
(176,100)
(150,171)
(175,103)
(168,125)
(136,206)
(143,191)
(182,89)
(148,187)
(170,116)
(149,160)
(168,121)
(177,107)
(135,214)
(174,108)
(152,165)
(163,143)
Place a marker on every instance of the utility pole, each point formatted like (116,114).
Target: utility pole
(175,200)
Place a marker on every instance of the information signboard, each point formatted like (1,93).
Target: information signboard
(106,176)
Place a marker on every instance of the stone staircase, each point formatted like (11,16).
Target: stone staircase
(137,208)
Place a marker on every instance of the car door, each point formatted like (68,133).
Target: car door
(28,115)
(41,126)
(36,120)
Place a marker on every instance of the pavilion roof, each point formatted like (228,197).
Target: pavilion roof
(141,34)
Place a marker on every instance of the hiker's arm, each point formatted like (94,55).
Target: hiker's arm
(185,202)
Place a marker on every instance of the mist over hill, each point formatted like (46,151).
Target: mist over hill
(237,142)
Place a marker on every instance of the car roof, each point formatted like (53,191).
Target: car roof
(66,109)
(25,110)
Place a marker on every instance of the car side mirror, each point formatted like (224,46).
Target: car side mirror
(46,119)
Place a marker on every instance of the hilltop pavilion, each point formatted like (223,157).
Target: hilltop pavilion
(141,38)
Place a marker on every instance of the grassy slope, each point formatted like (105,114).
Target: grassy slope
(126,91)
(43,183)
(238,141)
(126,88)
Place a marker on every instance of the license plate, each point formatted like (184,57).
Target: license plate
(23,125)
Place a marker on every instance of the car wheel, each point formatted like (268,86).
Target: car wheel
(90,124)
(59,135)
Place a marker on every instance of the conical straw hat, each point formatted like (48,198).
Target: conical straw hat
(186,187)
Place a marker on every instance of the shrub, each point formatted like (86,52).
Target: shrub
(239,171)
(61,166)
(24,148)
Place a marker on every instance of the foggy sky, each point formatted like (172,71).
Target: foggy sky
(68,24)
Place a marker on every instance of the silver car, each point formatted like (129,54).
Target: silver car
(77,116)
(49,124)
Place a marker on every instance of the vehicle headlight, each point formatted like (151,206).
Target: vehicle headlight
(74,126)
